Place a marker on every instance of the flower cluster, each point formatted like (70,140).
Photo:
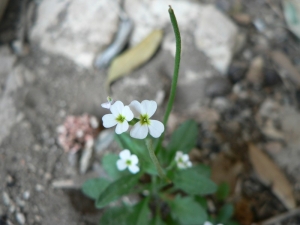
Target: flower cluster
(182,160)
(77,131)
(122,115)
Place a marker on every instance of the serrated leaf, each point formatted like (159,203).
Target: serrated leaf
(94,187)
(137,147)
(115,215)
(109,164)
(116,189)
(193,183)
(140,213)
(225,213)
(187,211)
(134,57)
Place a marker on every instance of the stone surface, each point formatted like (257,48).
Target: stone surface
(216,36)
(218,86)
(77,29)
(150,15)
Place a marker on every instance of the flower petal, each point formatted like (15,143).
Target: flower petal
(133,169)
(178,155)
(189,164)
(122,127)
(185,157)
(136,108)
(127,113)
(134,159)
(125,154)
(106,105)
(138,131)
(109,120)
(121,164)
(149,107)
(156,128)
(117,108)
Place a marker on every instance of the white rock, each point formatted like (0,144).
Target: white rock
(216,36)
(150,15)
(20,218)
(77,29)
(86,156)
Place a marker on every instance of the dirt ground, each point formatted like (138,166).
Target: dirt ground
(38,89)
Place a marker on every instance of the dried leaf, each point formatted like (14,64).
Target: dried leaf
(134,57)
(285,63)
(291,9)
(269,173)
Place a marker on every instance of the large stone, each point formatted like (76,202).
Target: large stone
(216,35)
(150,15)
(77,29)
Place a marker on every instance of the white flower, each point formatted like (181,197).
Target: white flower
(120,115)
(183,161)
(108,104)
(209,223)
(128,160)
(143,111)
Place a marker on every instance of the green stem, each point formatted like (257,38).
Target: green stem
(175,73)
(155,161)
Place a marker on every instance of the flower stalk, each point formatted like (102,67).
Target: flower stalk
(175,73)
(155,161)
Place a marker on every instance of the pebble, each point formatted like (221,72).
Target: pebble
(271,77)
(26,195)
(221,104)
(242,18)
(237,72)
(9,180)
(218,86)
(255,73)
(20,202)
(39,188)
(20,218)
(6,198)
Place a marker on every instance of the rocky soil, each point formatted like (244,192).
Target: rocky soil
(239,79)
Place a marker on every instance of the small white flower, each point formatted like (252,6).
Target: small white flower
(143,111)
(108,104)
(209,223)
(183,161)
(128,160)
(120,115)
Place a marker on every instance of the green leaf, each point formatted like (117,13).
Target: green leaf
(94,187)
(183,139)
(140,213)
(134,57)
(116,189)
(139,148)
(193,183)
(187,211)
(109,164)
(202,201)
(116,215)
(157,221)
(225,213)
(223,191)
